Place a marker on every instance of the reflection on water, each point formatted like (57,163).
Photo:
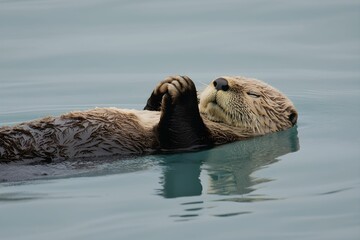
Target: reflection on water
(224,170)
(33,170)
(60,56)
(20,196)
(230,170)
(229,167)
(182,175)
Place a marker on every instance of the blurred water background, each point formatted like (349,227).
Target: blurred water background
(304,183)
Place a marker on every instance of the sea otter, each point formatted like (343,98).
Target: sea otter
(174,119)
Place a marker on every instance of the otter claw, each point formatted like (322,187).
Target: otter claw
(175,86)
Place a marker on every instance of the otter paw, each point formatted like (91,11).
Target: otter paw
(173,90)
(175,87)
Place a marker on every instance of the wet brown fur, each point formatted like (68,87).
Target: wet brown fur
(249,108)
(229,115)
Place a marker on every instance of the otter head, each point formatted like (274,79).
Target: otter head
(247,103)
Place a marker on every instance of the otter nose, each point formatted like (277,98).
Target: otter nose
(221,84)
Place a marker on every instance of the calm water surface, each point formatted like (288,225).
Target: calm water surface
(304,183)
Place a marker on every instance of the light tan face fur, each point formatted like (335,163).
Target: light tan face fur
(250,104)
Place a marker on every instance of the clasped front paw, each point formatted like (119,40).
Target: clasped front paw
(175,87)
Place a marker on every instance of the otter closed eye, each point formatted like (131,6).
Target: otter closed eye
(174,119)
(235,108)
(253,94)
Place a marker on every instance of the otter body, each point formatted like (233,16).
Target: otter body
(230,109)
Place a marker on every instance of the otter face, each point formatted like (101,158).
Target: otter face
(247,103)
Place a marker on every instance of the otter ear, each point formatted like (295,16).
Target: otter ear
(293,118)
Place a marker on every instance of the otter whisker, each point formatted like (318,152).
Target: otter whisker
(172,117)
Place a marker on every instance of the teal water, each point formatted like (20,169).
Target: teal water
(304,183)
